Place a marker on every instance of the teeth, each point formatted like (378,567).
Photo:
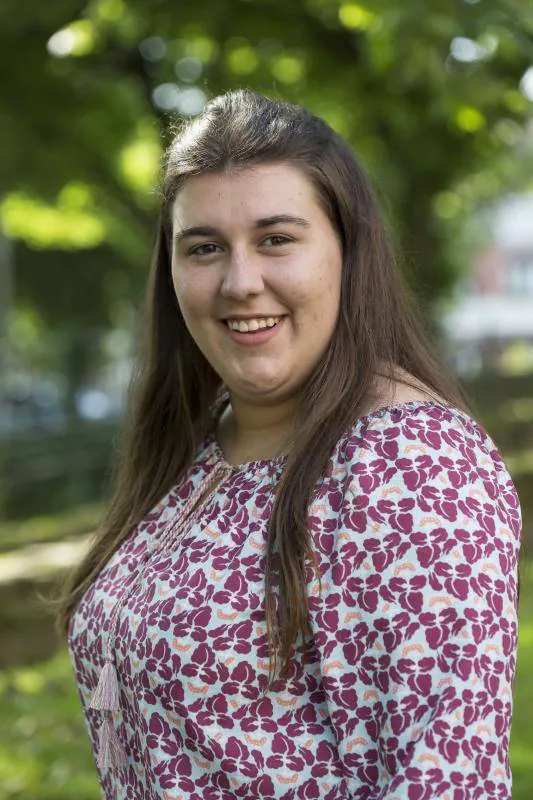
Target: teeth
(252,324)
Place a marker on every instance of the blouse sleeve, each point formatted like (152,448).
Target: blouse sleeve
(416,625)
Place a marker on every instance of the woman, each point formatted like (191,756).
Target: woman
(306,584)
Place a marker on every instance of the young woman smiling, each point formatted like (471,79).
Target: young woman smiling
(306,583)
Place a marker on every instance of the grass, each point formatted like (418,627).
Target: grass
(44,749)
(50,527)
(522,732)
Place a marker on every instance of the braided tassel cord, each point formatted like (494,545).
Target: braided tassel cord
(105,697)
(111,753)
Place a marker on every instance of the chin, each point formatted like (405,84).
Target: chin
(254,387)
(258,390)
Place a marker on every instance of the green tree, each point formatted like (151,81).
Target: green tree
(429,95)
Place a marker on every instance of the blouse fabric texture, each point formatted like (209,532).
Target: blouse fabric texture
(406,688)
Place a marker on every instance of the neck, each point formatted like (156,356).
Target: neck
(248,432)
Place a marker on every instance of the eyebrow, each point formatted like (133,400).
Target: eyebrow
(264,222)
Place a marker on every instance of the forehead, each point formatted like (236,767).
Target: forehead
(250,193)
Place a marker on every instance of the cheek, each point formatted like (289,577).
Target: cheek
(192,292)
(178,283)
(332,282)
(320,290)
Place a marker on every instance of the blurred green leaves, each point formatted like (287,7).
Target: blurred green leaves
(434,99)
(241,57)
(426,94)
(76,39)
(44,748)
(69,224)
(357,17)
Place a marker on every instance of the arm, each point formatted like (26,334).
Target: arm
(416,625)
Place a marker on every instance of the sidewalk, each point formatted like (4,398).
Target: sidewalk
(36,561)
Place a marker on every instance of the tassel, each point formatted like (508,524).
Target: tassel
(105,697)
(111,753)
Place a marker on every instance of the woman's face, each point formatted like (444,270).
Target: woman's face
(252,248)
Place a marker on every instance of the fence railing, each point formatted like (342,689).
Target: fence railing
(47,471)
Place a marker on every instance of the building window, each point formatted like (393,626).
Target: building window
(520,275)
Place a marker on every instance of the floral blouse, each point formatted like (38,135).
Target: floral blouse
(405,690)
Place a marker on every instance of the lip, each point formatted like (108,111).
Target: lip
(246,317)
(256,338)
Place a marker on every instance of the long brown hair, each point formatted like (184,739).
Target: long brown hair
(174,387)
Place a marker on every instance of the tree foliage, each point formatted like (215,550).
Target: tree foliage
(429,95)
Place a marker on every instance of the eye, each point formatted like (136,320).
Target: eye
(207,249)
(277,240)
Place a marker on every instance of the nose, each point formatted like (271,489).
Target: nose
(242,276)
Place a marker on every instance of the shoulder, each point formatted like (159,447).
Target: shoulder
(420,426)
(410,428)
(428,453)
(408,417)
(429,437)
(419,475)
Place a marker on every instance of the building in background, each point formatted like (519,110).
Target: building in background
(490,326)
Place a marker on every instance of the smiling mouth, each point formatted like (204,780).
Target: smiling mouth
(252,325)
(259,337)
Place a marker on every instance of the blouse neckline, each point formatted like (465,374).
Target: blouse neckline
(273,463)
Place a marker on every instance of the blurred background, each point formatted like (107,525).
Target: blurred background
(437,100)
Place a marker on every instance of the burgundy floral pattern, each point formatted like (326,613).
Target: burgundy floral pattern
(406,689)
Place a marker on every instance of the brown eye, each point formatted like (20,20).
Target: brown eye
(276,240)
(207,249)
